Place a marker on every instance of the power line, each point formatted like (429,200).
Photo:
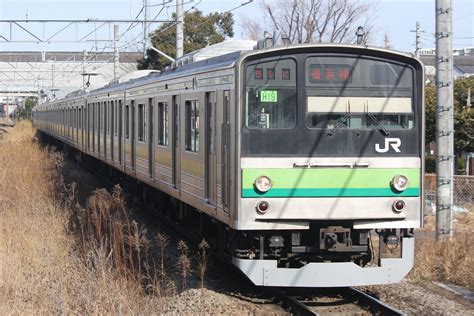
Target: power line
(129,42)
(175,22)
(464,16)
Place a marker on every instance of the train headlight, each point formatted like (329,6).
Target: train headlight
(263,184)
(399,183)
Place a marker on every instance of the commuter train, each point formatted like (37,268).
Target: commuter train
(299,156)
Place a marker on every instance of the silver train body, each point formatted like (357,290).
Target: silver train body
(299,154)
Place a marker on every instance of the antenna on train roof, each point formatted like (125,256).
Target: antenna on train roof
(277,39)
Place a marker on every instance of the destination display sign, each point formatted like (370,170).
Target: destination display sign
(329,73)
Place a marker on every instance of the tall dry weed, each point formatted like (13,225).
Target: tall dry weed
(184,263)
(450,260)
(41,269)
(60,257)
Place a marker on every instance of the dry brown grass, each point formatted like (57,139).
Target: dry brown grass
(43,268)
(450,260)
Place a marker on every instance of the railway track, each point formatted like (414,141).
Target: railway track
(340,301)
(331,301)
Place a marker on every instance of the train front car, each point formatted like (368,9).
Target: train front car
(331,154)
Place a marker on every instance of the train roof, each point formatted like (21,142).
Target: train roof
(194,63)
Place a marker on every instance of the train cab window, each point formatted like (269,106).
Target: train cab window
(270,95)
(127,121)
(192,126)
(141,122)
(358,93)
(163,123)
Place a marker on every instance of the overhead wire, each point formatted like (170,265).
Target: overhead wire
(132,25)
(89,59)
(176,22)
(464,16)
(133,42)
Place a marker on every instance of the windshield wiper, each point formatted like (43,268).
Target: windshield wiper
(341,122)
(376,121)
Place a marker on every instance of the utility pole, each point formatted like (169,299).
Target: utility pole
(116,50)
(444,119)
(179,28)
(417,39)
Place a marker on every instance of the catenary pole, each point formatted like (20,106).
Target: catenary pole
(444,119)
(179,28)
(145,26)
(116,50)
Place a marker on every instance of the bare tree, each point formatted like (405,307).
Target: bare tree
(252,28)
(320,21)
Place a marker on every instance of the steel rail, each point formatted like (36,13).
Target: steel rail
(295,306)
(375,305)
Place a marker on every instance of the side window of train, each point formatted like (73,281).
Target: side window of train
(163,123)
(141,122)
(127,121)
(192,126)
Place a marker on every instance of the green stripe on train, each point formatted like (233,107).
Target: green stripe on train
(330,192)
(330,182)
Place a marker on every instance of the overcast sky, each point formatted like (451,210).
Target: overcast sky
(392,17)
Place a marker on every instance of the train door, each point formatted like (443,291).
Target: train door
(77,114)
(120,132)
(84,126)
(113,127)
(176,152)
(210,152)
(151,141)
(100,126)
(106,126)
(94,127)
(133,136)
(89,127)
(225,147)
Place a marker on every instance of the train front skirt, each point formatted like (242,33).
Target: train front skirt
(333,274)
